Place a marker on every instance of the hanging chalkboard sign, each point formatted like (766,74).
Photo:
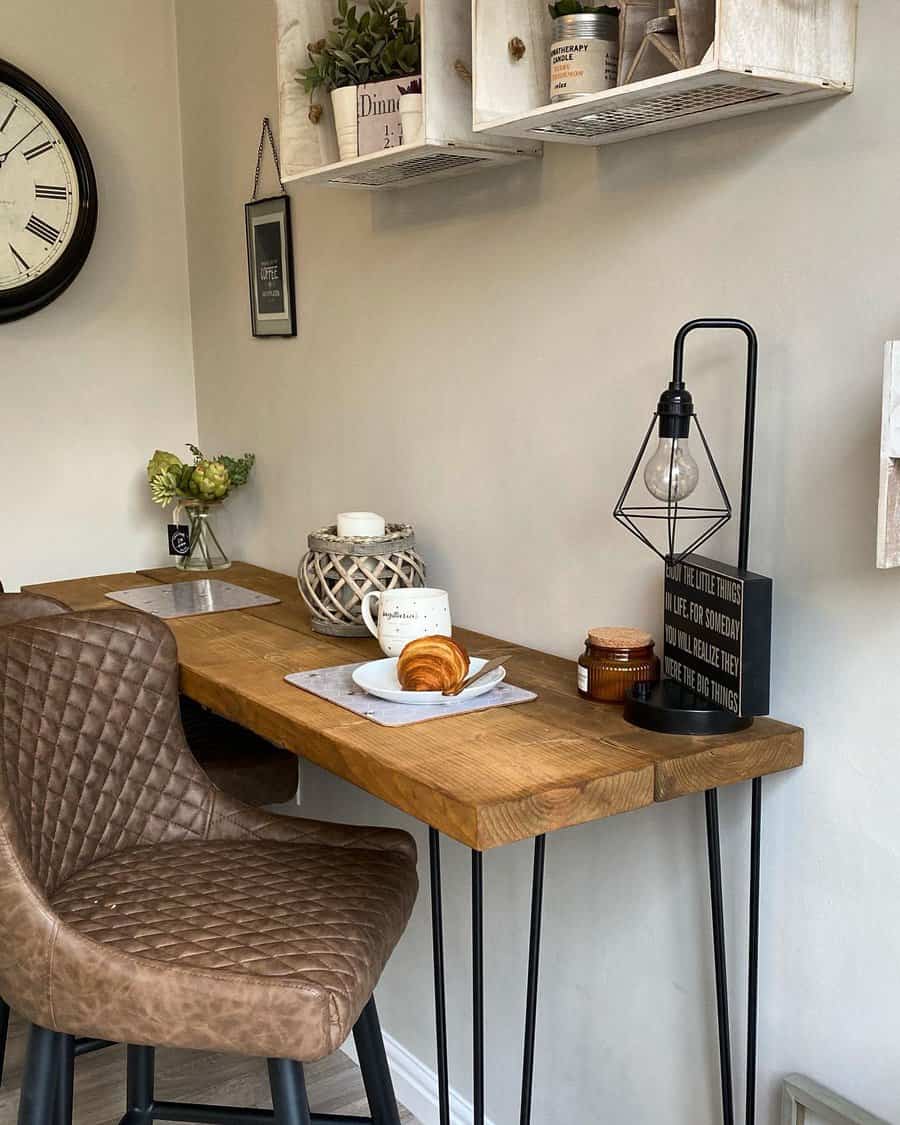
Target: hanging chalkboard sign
(270,253)
(718,633)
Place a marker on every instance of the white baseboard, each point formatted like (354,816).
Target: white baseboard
(416,1085)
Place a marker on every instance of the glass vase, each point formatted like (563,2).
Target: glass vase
(204,552)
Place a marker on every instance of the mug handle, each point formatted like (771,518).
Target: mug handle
(367,613)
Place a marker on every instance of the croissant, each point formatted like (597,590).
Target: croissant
(432,664)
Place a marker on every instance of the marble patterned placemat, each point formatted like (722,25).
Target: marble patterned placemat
(337,686)
(188,599)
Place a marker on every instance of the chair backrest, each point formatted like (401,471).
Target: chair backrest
(23,607)
(93,758)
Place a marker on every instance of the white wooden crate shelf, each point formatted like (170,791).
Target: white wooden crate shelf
(309,152)
(762,56)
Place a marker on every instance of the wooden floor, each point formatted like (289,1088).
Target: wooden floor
(334,1084)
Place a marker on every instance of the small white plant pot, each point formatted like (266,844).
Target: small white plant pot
(345,123)
(411,119)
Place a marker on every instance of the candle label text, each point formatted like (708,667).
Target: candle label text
(718,633)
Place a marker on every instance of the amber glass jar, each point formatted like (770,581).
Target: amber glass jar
(613,660)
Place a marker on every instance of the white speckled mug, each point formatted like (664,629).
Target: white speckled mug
(406,614)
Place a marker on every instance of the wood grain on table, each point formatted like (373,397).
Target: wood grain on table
(486,779)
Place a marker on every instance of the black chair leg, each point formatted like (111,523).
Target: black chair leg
(65,1085)
(141,1082)
(289,1098)
(374,1066)
(4,1032)
(40,1078)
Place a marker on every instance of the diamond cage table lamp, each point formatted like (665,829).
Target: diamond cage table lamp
(718,618)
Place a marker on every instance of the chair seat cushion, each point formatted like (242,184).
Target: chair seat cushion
(258,947)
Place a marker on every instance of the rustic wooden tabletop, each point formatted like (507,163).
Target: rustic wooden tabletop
(486,779)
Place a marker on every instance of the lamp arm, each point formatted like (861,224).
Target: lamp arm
(749,411)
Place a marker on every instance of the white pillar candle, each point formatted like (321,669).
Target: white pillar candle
(360,524)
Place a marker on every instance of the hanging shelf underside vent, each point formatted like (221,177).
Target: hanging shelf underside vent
(406,166)
(438,164)
(672,101)
(652,110)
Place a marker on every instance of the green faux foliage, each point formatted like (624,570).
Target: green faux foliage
(381,43)
(238,468)
(575,7)
(206,478)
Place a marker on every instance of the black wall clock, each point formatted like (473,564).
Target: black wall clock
(48,196)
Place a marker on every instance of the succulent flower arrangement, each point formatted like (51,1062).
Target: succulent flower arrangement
(204,478)
(383,42)
(575,7)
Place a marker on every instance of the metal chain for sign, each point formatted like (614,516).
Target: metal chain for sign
(266,132)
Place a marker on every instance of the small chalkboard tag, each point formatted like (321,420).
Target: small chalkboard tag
(179,539)
(718,633)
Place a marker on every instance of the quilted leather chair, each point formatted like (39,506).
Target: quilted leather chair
(235,760)
(143,905)
(22,607)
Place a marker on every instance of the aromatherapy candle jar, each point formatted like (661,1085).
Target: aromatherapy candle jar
(613,661)
(584,55)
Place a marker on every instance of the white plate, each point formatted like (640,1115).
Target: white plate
(379,677)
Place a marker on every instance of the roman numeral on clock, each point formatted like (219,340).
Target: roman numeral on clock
(6,120)
(38,150)
(45,191)
(21,261)
(41,229)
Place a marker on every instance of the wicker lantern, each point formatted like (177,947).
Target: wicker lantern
(337,572)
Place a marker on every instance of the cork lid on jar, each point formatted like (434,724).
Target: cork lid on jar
(619,638)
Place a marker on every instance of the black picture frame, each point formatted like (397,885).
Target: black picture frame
(270,267)
(35,295)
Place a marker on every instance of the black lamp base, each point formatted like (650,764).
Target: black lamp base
(672,709)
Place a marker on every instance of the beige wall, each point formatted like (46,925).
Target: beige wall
(91,385)
(481,357)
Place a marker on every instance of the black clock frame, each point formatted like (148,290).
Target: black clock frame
(35,295)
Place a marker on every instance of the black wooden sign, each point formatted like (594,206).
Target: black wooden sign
(718,633)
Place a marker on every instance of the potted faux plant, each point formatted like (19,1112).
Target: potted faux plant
(196,489)
(411,112)
(381,43)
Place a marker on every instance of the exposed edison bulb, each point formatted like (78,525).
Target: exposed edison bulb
(666,476)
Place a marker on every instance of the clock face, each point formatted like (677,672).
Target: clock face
(38,190)
(48,196)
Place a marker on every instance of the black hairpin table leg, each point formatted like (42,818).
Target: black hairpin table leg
(753,972)
(534,958)
(477,988)
(534,951)
(440,996)
(718,928)
(718,924)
